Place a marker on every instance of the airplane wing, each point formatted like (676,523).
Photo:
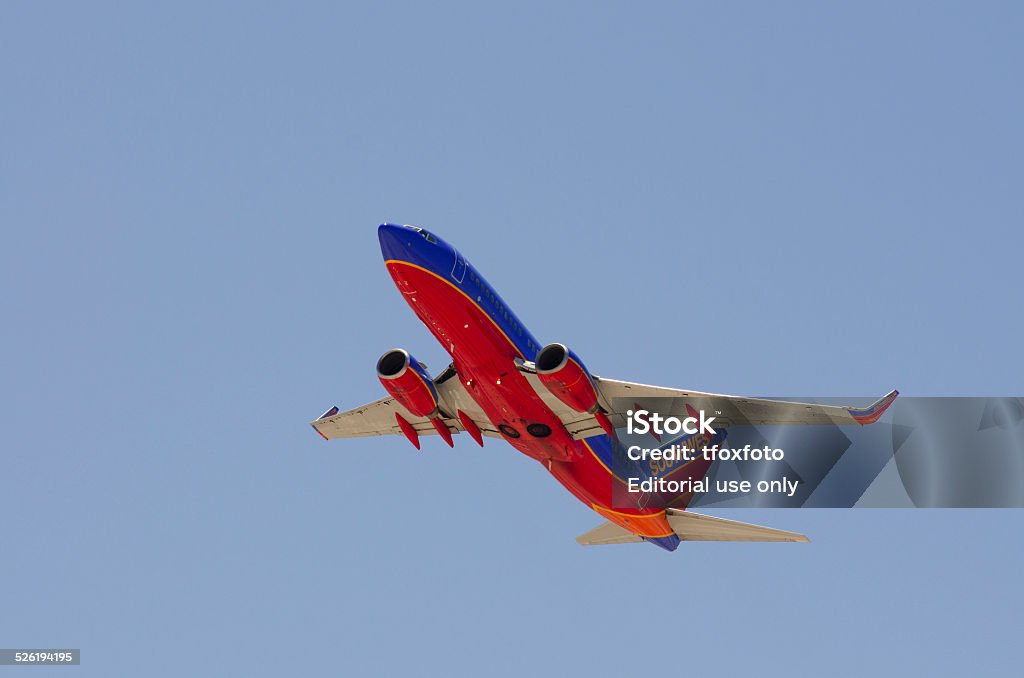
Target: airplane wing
(693,527)
(378,418)
(373,419)
(618,396)
(743,410)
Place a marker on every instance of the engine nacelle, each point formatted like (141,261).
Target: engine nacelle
(407,382)
(564,374)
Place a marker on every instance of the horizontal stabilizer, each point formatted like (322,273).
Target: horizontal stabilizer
(696,527)
(607,533)
(693,527)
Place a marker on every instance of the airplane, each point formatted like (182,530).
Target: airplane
(541,399)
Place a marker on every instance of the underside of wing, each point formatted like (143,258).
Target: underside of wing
(373,419)
(578,424)
(738,410)
(616,397)
(378,418)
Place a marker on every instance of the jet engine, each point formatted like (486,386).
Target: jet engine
(407,381)
(564,374)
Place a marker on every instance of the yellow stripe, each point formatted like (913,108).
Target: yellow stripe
(597,507)
(593,388)
(431,389)
(469,298)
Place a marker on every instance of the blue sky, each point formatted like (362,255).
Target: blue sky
(794,199)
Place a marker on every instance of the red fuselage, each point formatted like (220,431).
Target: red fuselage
(460,314)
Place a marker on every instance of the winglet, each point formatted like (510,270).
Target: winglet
(873,413)
(329,413)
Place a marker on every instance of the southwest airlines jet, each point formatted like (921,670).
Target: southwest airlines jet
(541,399)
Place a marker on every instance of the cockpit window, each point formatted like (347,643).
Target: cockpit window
(426,234)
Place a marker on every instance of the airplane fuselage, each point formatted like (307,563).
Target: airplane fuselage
(484,339)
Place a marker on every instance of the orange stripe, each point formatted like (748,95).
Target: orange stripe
(652,525)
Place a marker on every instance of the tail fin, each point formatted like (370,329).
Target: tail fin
(693,527)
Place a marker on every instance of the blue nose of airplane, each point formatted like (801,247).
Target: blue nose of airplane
(414,245)
(395,241)
(419,247)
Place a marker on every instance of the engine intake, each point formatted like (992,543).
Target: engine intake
(567,378)
(407,382)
